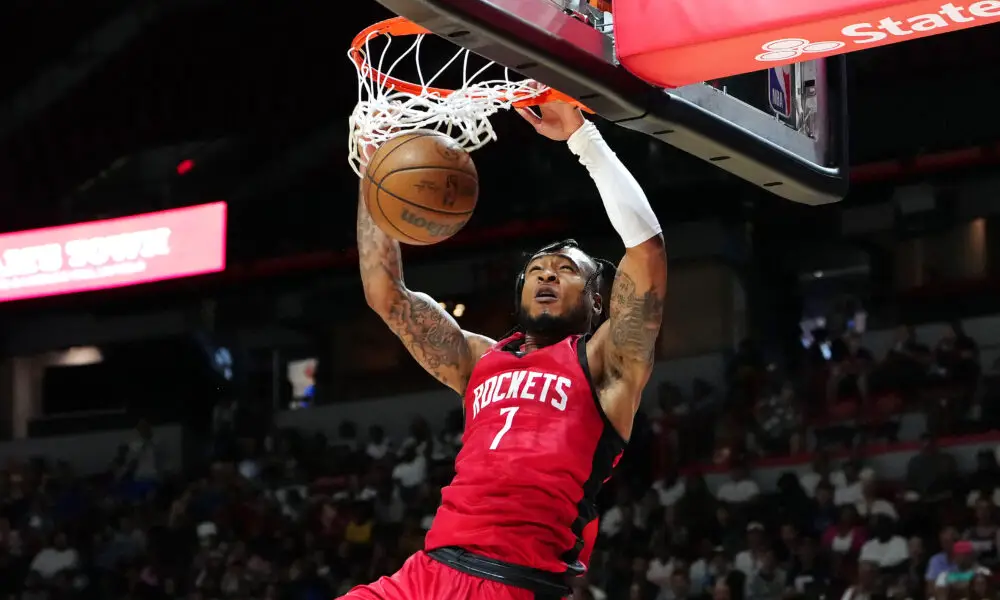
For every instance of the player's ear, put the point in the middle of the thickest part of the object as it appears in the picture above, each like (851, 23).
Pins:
(598, 304)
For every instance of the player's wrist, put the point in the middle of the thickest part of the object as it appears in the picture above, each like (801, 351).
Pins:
(580, 139)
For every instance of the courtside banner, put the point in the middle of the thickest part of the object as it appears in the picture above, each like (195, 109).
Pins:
(113, 253)
(679, 42)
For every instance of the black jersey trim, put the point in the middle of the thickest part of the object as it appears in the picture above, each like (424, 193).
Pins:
(581, 354)
(609, 446)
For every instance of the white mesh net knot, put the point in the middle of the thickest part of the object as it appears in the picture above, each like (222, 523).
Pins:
(383, 112)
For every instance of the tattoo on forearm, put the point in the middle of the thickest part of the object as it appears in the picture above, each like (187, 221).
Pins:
(433, 340)
(376, 251)
(428, 334)
(635, 320)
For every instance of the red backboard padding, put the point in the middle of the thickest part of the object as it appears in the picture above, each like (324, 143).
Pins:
(672, 43)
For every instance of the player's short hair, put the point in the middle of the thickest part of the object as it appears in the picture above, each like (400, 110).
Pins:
(599, 281)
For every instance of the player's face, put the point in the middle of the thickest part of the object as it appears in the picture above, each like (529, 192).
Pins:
(555, 299)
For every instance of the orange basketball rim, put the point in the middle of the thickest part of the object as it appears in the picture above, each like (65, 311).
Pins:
(398, 27)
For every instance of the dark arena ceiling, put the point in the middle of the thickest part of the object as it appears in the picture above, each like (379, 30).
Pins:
(100, 101)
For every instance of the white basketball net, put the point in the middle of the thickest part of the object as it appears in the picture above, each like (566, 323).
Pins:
(383, 112)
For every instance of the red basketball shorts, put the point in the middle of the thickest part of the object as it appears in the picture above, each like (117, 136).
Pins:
(423, 578)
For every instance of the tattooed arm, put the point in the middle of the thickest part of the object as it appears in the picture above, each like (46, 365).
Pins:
(427, 331)
(621, 352)
(635, 315)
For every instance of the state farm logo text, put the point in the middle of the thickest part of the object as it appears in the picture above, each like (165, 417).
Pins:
(947, 16)
(791, 48)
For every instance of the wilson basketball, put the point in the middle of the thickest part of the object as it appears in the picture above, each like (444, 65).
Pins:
(421, 187)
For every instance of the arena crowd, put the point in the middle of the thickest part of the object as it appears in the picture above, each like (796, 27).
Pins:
(282, 515)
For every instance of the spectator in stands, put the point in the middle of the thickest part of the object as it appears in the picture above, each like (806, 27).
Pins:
(411, 470)
(821, 472)
(347, 436)
(779, 421)
(730, 587)
(809, 571)
(727, 531)
(378, 445)
(121, 545)
(749, 561)
(984, 535)
(769, 581)
(866, 586)
(943, 561)
(613, 519)
(792, 503)
(661, 566)
(449, 441)
(849, 368)
(984, 482)
(847, 536)
(912, 582)
(731, 443)
(954, 376)
(824, 513)
(871, 505)
(886, 548)
(958, 354)
(670, 488)
(144, 466)
(854, 479)
(679, 589)
(931, 471)
(389, 507)
(740, 489)
(710, 563)
(904, 367)
(959, 578)
(982, 587)
(697, 503)
(57, 559)
(420, 437)
(788, 543)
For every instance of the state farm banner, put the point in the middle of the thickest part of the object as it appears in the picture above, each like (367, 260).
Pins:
(680, 42)
(113, 253)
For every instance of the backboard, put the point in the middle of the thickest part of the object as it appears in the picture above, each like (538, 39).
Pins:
(783, 130)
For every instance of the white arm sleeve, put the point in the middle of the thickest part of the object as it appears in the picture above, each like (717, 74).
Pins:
(625, 202)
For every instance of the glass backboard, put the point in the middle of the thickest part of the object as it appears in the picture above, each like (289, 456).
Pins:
(782, 129)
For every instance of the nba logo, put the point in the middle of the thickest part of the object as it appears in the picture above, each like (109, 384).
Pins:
(779, 90)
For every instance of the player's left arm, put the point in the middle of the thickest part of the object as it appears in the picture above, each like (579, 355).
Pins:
(627, 341)
(625, 344)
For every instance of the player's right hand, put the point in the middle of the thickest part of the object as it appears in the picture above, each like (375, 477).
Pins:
(558, 119)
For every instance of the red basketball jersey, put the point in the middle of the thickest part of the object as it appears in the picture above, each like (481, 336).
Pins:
(537, 447)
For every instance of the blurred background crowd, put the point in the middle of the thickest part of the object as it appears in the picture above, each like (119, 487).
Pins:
(284, 514)
(254, 432)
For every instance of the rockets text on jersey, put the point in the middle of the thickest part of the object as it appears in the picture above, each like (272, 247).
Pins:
(536, 448)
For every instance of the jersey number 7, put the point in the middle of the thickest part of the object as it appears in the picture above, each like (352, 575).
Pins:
(510, 411)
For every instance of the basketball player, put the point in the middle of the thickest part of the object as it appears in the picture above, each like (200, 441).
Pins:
(548, 410)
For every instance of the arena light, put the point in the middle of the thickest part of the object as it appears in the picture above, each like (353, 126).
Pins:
(184, 167)
(78, 356)
(459, 310)
(113, 253)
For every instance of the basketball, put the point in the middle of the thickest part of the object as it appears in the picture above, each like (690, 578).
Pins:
(421, 187)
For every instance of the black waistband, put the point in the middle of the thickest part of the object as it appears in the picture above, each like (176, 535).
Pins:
(545, 585)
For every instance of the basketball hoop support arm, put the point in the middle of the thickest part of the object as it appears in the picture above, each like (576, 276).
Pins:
(541, 41)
